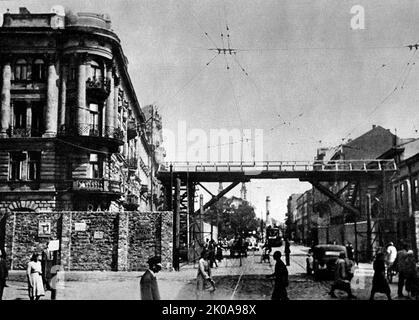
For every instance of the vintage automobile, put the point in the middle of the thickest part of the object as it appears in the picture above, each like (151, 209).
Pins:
(324, 259)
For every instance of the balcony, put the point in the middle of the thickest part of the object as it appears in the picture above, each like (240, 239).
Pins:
(24, 132)
(91, 130)
(98, 87)
(132, 130)
(96, 185)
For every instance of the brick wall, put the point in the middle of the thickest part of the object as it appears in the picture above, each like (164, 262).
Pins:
(106, 240)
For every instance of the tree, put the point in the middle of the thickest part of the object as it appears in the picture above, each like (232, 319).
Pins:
(231, 218)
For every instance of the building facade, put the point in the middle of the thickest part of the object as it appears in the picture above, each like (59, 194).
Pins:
(384, 210)
(72, 133)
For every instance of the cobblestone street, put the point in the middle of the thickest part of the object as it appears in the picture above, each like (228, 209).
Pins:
(234, 282)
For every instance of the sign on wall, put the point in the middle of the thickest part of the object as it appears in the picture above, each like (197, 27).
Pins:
(98, 235)
(80, 226)
(44, 229)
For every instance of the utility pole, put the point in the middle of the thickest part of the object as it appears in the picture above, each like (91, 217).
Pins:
(369, 231)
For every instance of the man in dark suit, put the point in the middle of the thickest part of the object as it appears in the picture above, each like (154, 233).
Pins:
(281, 278)
(3, 272)
(148, 282)
(287, 252)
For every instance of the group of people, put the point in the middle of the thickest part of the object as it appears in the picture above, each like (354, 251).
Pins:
(402, 261)
(215, 252)
(386, 260)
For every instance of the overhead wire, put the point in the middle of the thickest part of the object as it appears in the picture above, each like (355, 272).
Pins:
(401, 80)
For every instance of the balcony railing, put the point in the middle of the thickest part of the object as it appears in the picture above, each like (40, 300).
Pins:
(24, 132)
(92, 131)
(99, 87)
(101, 185)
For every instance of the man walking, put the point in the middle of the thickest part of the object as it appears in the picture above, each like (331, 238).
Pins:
(3, 272)
(281, 278)
(342, 281)
(401, 267)
(148, 282)
(287, 252)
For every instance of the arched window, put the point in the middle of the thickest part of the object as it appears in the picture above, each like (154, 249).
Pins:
(38, 70)
(23, 70)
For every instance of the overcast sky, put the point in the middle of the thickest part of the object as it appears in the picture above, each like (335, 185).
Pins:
(312, 80)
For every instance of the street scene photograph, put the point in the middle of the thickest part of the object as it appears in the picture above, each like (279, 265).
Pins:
(218, 150)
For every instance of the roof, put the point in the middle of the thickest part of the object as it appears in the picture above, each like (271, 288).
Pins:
(370, 145)
(411, 149)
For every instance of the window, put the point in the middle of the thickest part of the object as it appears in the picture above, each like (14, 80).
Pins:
(95, 165)
(73, 73)
(401, 194)
(396, 196)
(16, 165)
(38, 70)
(19, 114)
(95, 72)
(415, 189)
(37, 120)
(23, 70)
(94, 119)
(69, 173)
(34, 165)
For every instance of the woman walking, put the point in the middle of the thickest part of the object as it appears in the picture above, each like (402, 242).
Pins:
(34, 273)
(379, 281)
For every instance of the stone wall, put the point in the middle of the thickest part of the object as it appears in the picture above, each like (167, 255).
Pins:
(92, 240)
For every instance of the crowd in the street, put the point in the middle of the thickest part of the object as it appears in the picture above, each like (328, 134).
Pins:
(388, 262)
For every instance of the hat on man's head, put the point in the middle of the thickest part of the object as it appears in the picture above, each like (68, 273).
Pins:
(154, 261)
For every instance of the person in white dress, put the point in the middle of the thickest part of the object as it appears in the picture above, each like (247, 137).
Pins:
(34, 273)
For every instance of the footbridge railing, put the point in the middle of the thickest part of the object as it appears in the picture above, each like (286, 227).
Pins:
(284, 166)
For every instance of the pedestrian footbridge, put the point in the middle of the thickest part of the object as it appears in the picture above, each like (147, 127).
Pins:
(303, 170)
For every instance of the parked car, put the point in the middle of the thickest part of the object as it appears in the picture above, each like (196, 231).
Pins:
(324, 259)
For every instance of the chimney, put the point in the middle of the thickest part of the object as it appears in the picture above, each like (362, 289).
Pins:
(374, 126)
(268, 204)
(23, 10)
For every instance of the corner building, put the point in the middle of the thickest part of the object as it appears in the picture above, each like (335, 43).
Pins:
(72, 133)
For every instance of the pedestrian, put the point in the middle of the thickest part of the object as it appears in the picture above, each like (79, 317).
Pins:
(342, 281)
(211, 253)
(309, 262)
(411, 274)
(379, 281)
(219, 254)
(34, 274)
(401, 267)
(148, 283)
(391, 255)
(3, 272)
(266, 252)
(287, 252)
(203, 279)
(350, 251)
(281, 278)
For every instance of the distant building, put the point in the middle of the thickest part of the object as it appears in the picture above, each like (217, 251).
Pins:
(291, 216)
(322, 220)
